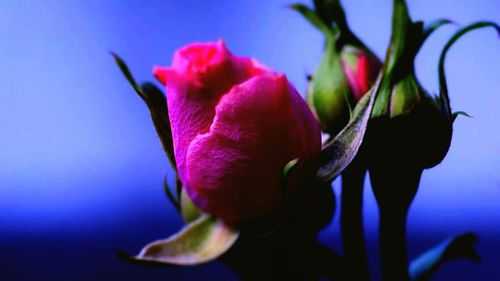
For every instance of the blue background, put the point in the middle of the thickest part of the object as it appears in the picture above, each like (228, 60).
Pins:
(81, 166)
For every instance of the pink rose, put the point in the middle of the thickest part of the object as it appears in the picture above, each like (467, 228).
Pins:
(235, 124)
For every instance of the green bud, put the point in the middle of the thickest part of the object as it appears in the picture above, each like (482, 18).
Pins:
(346, 72)
(329, 95)
(408, 126)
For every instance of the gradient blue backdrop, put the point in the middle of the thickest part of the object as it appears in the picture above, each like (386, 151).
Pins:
(81, 166)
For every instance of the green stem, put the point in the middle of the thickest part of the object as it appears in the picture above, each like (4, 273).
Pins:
(283, 255)
(351, 220)
(393, 246)
(394, 187)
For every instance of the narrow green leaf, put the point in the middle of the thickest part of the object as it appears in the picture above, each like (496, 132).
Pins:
(338, 153)
(201, 241)
(126, 72)
(314, 19)
(170, 195)
(457, 113)
(459, 247)
(445, 99)
(157, 104)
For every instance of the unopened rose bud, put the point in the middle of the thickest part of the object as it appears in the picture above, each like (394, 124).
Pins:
(408, 126)
(235, 125)
(346, 72)
(360, 68)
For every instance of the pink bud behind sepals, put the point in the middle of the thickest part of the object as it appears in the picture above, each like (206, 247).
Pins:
(360, 69)
(347, 70)
(235, 125)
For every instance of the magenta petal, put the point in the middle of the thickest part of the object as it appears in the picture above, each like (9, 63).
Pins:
(234, 170)
(235, 124)
(161, 74)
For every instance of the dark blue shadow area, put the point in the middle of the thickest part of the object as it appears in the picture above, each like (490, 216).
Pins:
(81, 166)
(89, 254)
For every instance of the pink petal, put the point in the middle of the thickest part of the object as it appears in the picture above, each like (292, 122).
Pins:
(234, 170)
(161, 74)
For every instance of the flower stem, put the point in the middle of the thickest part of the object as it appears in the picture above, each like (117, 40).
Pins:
(394, 187)
(393, 246)
(351, 221)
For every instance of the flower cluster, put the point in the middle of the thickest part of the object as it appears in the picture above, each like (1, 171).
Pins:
(253, 177)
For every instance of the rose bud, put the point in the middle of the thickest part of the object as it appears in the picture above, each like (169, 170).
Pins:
(360, 68)
(407, 125)
(346, 72)
(235, 125)
(409, 131)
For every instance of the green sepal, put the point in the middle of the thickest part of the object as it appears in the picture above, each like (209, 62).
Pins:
(201, 241)
(330, 93)
(405, 97)
(457, 113)
(406, 40)
(401, 30)
(170, 196)
(338, 153)
(189, 211)
(332, 13)
(157, 104)
(287, 170)
(459, 247)
(326, 10)
(399, 59)
(445, 99)
(313, 18)
(433, 26)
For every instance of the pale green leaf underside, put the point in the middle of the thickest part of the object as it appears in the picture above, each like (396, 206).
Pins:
(199, 242)
(338, 153)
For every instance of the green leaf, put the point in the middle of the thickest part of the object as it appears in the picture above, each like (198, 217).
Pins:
(315, 20)
(457, 113)
(445, 99)
(459, 247)
(338, 153)
(157, 104)
(201, 241)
